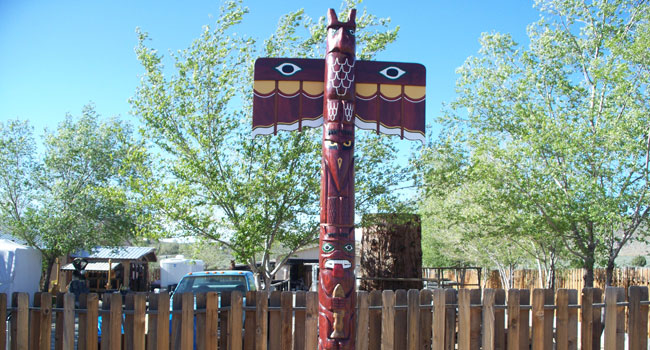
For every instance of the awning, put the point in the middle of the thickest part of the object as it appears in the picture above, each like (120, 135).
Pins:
(93, 266)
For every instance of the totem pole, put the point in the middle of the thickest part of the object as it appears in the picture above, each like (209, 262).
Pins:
(338, 93)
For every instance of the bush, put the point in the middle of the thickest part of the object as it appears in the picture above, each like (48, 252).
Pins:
(638, 261)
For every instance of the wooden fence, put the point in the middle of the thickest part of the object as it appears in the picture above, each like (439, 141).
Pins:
(529, 278)
(440, 319)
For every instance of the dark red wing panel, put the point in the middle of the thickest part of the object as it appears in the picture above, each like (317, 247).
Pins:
(288, 94)
(390, 98)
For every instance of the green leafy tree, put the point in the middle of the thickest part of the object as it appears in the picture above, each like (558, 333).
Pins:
(563, 123)
(252, 195)
(79, 194)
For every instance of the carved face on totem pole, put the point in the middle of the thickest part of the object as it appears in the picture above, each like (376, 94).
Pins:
(337, 280)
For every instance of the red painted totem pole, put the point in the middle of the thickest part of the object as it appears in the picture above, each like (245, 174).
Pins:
(339, 93)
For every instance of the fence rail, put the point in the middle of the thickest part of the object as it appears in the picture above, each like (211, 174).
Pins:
(439, 319)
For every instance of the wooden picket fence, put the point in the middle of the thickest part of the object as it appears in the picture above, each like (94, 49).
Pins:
(439, 319)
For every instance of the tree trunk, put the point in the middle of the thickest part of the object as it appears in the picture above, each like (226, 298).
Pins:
(391, 249)
(46, 277)
(589, 270)
(610, 272)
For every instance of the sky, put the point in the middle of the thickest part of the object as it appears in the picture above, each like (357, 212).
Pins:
(57, 56)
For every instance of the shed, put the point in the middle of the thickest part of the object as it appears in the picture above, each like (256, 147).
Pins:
(111, 268)
(20, 267)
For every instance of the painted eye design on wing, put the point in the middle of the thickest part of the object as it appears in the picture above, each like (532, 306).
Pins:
(392, 72)
(328, 247)
(288, 69)
(348, 248)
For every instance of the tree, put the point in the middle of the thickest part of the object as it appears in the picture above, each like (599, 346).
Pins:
(219, 184)
(79, 194)
(563, 123)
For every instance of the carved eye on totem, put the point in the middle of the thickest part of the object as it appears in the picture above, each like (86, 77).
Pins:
(328, 247)
(392, 72)
(348, 248)
(331, 144)
(347, 144)
(288, 69)
(332, 31)
(351, 32)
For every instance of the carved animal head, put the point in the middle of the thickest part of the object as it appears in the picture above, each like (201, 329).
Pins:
(340, 35)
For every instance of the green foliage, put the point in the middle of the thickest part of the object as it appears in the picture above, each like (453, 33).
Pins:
(217, 183)
(558, 131)
(638, 261)
(79, 195)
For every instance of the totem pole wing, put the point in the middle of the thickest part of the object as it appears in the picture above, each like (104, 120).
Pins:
(390, 98)
(288, 94)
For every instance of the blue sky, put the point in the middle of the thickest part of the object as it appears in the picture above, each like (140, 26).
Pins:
(57, 56)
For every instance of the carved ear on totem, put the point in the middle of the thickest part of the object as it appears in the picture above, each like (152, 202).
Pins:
(331, 17)
(353, 16)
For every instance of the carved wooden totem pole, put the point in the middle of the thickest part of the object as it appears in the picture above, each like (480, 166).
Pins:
(338, 93)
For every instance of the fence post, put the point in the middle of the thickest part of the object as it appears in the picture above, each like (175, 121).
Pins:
(638, 318)
(413, 317)
(45, 321)
(388, 320)
(92, 305)
(488, 319)
(68, 321)
(286, 315)
(236, 320)
(311, 322)
(362, 321)
(614, 319)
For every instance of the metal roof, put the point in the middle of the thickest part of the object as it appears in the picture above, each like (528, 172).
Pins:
(93, 266)
(122, 253)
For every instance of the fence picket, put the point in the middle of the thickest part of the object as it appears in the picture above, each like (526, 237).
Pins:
(286, 316)
(162, 322)
(45, 321)
(439, 317)
(614, 318)
(489, 322)
(128, 321)
(567, 321)
(140, 301)
(311, 321)
(115, 327)
(106, 304)
(374, 321)
(514, 322)
(212, 321)
(363, 318)
(638, 318)
(401, 299)
(451, 298)
(236, 321)
(249, 337)
(187, 320)
(3, 316)
(275, 326)
(499, 320)
(68, 321)
(201, 300)
(92, 306)
(413, 319)
(261, 320)
(34, 323)
(426, 316)
(388, 320)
